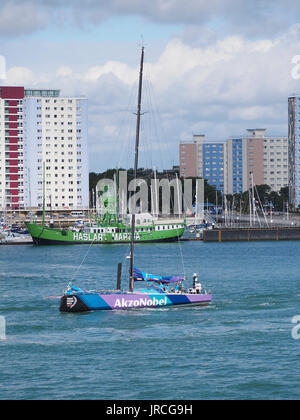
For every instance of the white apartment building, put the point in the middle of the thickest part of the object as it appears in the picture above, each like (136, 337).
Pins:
(230, 166)
(276, 169)
(41, 128)
(264, 157)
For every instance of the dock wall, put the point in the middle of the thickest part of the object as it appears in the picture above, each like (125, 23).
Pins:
(252, 234)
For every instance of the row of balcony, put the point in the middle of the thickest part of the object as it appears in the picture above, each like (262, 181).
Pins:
(20, 173)
(7, 119)
(19, 149)
(8, 102)
(7, 126)
(11, 109)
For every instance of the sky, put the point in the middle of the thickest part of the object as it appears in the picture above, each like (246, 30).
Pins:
(215, 68)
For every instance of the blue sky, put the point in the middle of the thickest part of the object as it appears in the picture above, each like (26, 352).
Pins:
(215, 67)
(114, 29)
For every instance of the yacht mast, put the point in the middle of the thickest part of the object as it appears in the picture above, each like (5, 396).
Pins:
(44, 192)
(136, 162)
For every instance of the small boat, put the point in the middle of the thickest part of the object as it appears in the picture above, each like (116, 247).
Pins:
(12, 238)
(160, 291)
(18, 230)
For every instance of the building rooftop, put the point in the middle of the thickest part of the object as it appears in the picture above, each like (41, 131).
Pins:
(46, 93)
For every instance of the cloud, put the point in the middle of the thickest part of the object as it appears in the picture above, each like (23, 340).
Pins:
(19, 18)
(64, 71)
(121, 70)
(218, 89)
(252, 113)
(19, 76)
(227, 16)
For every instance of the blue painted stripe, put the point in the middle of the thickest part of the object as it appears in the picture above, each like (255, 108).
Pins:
(178, 299)
(94, 302)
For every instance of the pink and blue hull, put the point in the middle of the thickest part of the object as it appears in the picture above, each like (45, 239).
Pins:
(88, 301)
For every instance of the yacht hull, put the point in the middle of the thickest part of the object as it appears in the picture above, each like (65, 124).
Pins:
(42, 235)
(84, 302)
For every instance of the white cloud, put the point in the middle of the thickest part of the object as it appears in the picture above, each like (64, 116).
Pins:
(19, 76)
(252, 113)
(121, 70)
(217, 89)
(64, 71)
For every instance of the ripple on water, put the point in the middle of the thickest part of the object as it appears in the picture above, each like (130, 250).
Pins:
(238, 347)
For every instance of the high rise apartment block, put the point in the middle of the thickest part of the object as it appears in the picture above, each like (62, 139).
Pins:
(266, 157)
(294, 150)
(203, 160)
(229, 166)
(40, 128)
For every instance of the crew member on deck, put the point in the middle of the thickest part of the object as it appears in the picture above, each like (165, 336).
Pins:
(197, 286)
(195, 280)
(181, 286)
(161, 286)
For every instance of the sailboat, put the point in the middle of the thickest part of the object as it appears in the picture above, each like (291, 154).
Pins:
(160, 291)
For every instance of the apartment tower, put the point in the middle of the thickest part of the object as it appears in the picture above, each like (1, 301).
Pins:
(40, 128)
(294, 150)
(203, 159)
(231, 166)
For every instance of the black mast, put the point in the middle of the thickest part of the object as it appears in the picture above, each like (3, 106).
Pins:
(136, 162)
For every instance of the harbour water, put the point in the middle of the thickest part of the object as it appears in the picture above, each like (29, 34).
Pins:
(239, 347)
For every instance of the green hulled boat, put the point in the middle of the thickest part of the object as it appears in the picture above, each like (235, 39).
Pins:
(111, 228)
(105, 232)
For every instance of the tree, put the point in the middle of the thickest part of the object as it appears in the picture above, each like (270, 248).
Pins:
(264, 195)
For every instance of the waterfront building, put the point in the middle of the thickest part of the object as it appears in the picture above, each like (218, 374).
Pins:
(229, 166)
(188, 160)
(294, 150)
(266, 157)
(276, 162)
(203, 159)
(236, 166)
(42, 128)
